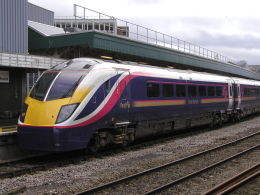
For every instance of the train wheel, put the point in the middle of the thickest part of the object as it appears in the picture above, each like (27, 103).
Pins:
(220, 123)
(94, 148)
(94, 145)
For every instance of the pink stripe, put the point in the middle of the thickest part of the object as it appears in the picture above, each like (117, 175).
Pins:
(216, 98)
(183, 83)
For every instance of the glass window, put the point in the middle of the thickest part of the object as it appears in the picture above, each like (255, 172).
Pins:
(254, 91)
(202, 91)
(65, 85)
(90, 26)
(245, 92)
(40, 89)
(153, 90)
(211, 91)
(192, 91)
(107, 86)
(167, 90)
(250, 91)
(180, 91)
(219, 91)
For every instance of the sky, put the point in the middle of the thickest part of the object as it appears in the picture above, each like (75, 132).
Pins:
(229, 27)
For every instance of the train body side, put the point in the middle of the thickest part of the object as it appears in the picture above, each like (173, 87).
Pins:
(137, 102)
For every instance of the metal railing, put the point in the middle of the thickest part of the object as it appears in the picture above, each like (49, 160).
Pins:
(28, 61)
(137, 32)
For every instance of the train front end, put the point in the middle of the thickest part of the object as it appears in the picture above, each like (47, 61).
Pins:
(52, 101)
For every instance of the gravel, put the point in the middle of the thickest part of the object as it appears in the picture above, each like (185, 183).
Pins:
(95, 171)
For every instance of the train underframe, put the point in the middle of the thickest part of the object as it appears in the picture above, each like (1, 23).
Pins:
(127, 132)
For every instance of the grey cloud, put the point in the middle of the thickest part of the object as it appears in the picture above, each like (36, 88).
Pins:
(143, 1)
(239, 41)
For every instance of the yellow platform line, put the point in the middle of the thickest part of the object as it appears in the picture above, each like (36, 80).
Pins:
(8, 128)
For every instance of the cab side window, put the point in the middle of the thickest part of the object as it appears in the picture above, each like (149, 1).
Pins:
(107, 86)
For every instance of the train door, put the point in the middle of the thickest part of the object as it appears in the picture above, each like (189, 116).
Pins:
(230, 94)
(124, 92)
(237, 95)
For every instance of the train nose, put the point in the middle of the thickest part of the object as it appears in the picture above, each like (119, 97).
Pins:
(40, 113)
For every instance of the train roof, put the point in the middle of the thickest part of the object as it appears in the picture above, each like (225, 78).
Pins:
(133, 67)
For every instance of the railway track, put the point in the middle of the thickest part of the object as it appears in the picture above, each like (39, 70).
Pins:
(35, 163)
(235, 182)
(133, 181)
(18, 167)
(41, 162)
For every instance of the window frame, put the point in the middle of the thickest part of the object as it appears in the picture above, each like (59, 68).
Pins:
(208, 90)
(189, 90)
(147, 89)
(163, 90)
(202, 86)
(177, 93)
(221, 91)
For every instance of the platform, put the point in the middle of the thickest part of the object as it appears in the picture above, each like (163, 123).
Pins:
(9, 128)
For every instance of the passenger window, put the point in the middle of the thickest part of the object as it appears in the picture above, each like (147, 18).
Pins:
(167, 90)
(246, 92)
(250, 91)
(153, 90)
(192, 91)
(180, 91)
(211, 91)
(219, 91)
(202, 91)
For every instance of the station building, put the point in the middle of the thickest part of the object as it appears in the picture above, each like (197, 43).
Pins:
(18, 69)
(87, 24)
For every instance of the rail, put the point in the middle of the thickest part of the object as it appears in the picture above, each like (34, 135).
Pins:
(27, 61)
(235, 182)
(172, 163)
(137, 32)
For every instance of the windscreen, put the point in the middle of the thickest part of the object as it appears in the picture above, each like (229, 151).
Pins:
(65, 85)
(41, 88)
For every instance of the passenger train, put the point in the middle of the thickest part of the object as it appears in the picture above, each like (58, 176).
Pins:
(91, 103)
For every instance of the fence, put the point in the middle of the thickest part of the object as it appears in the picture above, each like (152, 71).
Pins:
(144, 34)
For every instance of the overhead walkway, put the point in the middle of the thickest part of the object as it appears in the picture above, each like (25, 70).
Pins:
(134, 43)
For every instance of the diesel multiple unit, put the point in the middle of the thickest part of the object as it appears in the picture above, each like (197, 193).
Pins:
(92, 103)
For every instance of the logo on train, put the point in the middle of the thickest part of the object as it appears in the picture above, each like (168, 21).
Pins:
(125, 105)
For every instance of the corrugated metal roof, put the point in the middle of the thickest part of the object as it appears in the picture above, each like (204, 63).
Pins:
(45, 29)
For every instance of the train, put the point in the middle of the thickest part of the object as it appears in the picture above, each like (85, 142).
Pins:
(88, 103)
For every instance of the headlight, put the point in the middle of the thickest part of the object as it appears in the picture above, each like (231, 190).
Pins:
(65, 112)
(23, 112)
